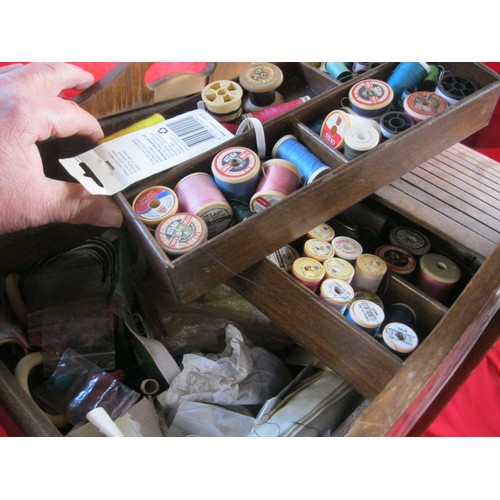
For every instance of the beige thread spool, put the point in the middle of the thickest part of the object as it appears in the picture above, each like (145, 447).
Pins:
(284, 257)
(322, 231)
(261, 81)
(369, 271)
(338, 268)
(223, 100)
(336, 292)
(317, 249)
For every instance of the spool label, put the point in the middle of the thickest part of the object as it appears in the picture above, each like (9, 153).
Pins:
(397, 259)
(347, 247)
(284, 257)
(322, 232)
(217, 219)
(155, 204)
(339, 268)
(367, 313)
(235, 163)
(334, 128)
(180, 232)
(337, 289)
(400, 337)
(263, 201)
(371, 94)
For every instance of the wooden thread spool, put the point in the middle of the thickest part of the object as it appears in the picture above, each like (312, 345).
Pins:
(367, 295)
(422, 105)
(318, 249)
(309, 272)
(223, 100)
(279, 179)
(371, 97)
(398, 259)
(154, 204)
(412, 240)
(236, 171)
(180, 233)
(338, 268)
(369, 271)
(261, 81)
(198, 194)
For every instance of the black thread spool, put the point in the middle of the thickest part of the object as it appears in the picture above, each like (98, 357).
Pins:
(453, 88)
(395, 122)
(261, 81)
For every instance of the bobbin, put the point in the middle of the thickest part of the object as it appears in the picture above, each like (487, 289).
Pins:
(407, 75)
(366, 315)
(398, 259)
(361, 294)
(154, 204)
(223, 100)
(347, 248)
(393, 123)
(453, 88)
(421, 105)
(438, 275)
(273, 188)
(336, 292)
(261, 81)
(399, 338)
(339, 71)
(309, 272)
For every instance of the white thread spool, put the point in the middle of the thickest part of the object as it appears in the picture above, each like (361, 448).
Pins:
(347, 248)
(369, 271)
(336, 292)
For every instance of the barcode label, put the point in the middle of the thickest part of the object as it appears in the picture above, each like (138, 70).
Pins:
(191, 131)
(368, 312)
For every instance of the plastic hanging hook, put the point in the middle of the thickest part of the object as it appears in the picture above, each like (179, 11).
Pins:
(259, 134)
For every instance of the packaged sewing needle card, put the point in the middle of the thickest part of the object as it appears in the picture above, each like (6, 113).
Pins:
(116, 164)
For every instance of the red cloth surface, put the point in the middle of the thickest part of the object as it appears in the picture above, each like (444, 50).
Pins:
(475, 408)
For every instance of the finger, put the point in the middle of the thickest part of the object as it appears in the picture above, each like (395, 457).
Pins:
(55, 117)
(68, 202)
(10, 67)
(51, 78)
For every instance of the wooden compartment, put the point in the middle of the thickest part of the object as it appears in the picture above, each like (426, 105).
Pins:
(229, 253)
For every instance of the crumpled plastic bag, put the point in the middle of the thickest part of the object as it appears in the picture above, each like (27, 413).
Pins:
(241, 375)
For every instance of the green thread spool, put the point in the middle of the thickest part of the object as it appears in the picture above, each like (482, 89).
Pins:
(431, 80)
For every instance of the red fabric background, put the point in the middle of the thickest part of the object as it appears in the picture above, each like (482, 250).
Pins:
(475, 409)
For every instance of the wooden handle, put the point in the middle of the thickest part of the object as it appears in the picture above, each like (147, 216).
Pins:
(124, 88)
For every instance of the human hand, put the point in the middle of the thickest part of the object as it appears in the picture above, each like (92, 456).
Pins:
(32, 111)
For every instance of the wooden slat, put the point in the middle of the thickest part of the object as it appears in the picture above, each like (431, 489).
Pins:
(428, 217)
(460, 153)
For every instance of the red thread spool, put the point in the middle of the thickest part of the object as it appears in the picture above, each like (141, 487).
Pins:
(198, 194)
(279, 179)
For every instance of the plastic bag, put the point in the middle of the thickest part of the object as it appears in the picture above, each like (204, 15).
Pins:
(241, 375)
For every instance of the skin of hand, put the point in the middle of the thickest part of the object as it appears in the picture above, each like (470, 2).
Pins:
(32, 111)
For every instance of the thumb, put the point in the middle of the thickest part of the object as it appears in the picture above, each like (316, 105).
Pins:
(72, 203)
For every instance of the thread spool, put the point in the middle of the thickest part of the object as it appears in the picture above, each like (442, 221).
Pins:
(180, 233)
(410, 239)
(429, 83)
(371, 97)
(318, 249)
(453, 88)
(407, 75)
(366, 315)
(347, 248)
(393, 123)
(323, 232)
(309, 165)
(367, 295)
(398, 259)
(359, 139)
(261, 81)
(223, 100)
(400, 313)
(400, 339)
(334, 127)
(368, 272)
(236, 172)
(309, 272)
(422, 105)
(338, 268)
(241, 211)
(149, 387)
(438, 275)
(198, 194)
(339, 71)
(284, 257)
(360, 67)
(271, 112)
(154, 204)
(279, 179)
(336, 292)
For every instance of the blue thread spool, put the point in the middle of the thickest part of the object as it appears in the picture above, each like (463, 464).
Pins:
(407, 75)
(365, 314)
(309, 165)
(338, 70)
(236, 172)
(400, 313)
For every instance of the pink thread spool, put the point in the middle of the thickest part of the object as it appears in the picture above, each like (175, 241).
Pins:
(437, 275)
(199, 195)
(279, 179)
(267, 114)
(309, 272)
